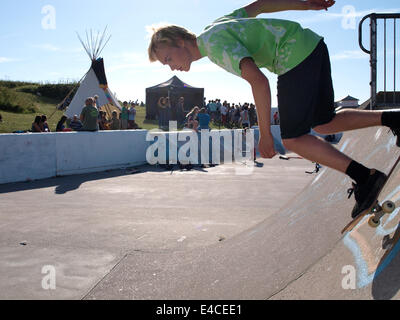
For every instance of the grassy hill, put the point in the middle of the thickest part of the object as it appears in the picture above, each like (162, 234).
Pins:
(21, 102)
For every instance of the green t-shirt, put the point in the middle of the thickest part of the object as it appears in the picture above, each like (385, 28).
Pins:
(278, 45)
(89, 122)
(124, 113)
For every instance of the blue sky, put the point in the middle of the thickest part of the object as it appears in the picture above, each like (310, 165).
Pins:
(37, 45)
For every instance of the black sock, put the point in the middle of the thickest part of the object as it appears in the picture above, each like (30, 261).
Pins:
(358, 172)
(391, 119)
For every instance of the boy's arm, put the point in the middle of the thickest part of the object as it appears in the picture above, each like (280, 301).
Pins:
(262, 98)
(266, 6)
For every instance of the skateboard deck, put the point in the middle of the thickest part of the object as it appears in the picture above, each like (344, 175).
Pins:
(377, 210)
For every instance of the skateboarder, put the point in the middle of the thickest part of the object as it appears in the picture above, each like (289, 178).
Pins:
(242, 44)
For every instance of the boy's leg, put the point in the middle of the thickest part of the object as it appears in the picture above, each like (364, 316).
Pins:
(368, 182)
(346, 120)
(308, 102)
(318, 150)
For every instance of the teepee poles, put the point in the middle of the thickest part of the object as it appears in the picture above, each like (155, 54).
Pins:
(94, 44)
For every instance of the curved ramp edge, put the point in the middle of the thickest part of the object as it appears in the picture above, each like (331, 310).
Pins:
(266, 260)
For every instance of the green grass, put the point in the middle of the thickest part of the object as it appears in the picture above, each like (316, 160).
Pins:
(141, 119)
(19, 105)
(13, 101)
(16, 121)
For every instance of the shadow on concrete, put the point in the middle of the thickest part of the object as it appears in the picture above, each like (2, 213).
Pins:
(386, 283)
(65, 184)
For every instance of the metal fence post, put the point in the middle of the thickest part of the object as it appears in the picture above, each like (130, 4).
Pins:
(373, 61)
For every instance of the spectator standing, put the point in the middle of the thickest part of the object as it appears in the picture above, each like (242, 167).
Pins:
(253, 115)
(103, 121)
(89, 116)
(191, 119)
(236, 116)
(124, 116)
(132, 116)
(100, 120)
(244, 118)
(96, 102)
(208, 106)
(169, 108)
(204, 119)
(180, 111)
(218, 109)
(115, 123)
(162, 113)
(213, 110)
(224, 112)
(231, 115)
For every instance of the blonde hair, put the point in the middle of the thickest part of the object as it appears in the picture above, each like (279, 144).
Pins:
(167, 36)
(193, 111)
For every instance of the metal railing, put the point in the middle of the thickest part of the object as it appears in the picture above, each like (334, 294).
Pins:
(385, 98)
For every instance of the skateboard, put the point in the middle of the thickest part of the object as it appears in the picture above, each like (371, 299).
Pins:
(377, 210)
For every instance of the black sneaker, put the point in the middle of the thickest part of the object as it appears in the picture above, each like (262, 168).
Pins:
(366, 193)
(396, 132)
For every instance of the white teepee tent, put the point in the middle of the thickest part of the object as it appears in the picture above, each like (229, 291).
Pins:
(95, 81)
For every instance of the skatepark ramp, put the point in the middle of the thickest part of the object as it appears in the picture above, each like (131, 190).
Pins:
(297, 253)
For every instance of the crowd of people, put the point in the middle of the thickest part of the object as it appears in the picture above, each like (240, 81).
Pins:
(40, 124)
(228, 115)
(92, 119)
(168, 113)
(221, 114)
(232, 115)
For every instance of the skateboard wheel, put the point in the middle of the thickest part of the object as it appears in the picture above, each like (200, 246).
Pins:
(373, 223)
(388, 206)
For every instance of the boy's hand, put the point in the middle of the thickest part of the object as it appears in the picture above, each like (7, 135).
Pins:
(318, 4)
(266, 6)
(266, 146)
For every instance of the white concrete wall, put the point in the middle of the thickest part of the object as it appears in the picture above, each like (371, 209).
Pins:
(83, 152)
(32, 156)
(25, 157)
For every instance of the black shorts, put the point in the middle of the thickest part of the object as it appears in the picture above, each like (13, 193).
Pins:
(305, 95)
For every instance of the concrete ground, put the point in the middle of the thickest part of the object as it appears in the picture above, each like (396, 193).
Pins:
(82, 227)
